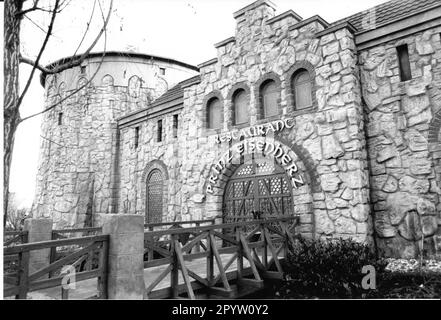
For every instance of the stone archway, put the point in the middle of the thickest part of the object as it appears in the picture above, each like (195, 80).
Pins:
(303, 186)
(154, 191)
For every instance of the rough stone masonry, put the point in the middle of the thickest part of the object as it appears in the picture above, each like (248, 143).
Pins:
(367, 149)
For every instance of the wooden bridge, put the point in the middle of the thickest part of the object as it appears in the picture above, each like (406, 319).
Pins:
(189, 260)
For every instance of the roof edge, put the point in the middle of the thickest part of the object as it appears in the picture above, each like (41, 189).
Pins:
(315, 18)
(333, 28)
(118, 54)
(289, 13)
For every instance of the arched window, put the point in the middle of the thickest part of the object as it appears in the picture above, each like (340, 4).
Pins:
(269, 97)
(240, 107)
(302, 89)
(155, 189)
(214, 114)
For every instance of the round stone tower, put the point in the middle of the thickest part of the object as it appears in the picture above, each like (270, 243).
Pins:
(80, 137)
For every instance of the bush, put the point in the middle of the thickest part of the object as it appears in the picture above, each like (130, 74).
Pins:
(328, 269)
(408, 285)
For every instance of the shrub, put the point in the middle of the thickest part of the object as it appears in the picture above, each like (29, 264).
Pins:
(408, 285)
(328, 269)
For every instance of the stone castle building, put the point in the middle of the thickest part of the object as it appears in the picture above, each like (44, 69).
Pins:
(338, 123)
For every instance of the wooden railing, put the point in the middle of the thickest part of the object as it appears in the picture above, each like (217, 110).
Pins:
(164, 241)
(88, 255)
(262, 243)
(78, 232)
(177, 224)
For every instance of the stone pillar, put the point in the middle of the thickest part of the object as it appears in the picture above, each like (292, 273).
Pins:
(39, 229)
(125, 279)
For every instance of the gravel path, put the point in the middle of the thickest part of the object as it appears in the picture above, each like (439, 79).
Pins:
(405, 265)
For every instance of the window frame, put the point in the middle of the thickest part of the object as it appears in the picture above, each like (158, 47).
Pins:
(212, 95)
(260, 106)
(137, 133)
(208, 106)
(232, 96)
(60, 118)
(159, 131)
(175, 125)
(404, 67)
(240, 92)
(295, 88)
(291, 98)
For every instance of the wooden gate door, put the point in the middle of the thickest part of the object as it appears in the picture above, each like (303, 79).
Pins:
(258, 189)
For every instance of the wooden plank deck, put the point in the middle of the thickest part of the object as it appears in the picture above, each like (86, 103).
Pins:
(88, 288)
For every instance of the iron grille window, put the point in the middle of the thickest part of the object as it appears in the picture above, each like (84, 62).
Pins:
(403, 60)
(155, 188)
(214, 118)
(240, 105)
(302, 89)
(269, 97)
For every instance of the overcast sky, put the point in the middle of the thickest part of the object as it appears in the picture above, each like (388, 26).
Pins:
(185, 30)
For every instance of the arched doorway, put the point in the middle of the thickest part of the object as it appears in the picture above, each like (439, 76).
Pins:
(155, 189)
(257, 189)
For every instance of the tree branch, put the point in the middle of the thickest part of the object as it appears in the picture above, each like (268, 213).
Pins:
(75, 61)
(35, 24)
(78, 89)
(35, 7)
(32, 63)
(87, 29)
(37, 61)
(23, 12)
(78, 60)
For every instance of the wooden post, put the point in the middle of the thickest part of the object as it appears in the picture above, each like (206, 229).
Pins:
(184, 271)
(219, 262)
(174, 276)
(239, 255)
(102, 279)
(23, 274)
(198, 245)
(249, 256)
(273, 251)
(265, 248)
(210, 260)
(150, 251)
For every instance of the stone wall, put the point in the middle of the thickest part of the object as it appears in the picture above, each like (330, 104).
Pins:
(368, 149)
(327, 141)
(404, 159)
(74, 181)
(137, 163)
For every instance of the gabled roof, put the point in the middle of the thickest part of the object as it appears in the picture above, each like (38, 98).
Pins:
(175, 92)
(390, 11)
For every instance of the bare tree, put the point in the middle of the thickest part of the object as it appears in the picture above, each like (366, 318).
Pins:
(16, 216)
(14, 12)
